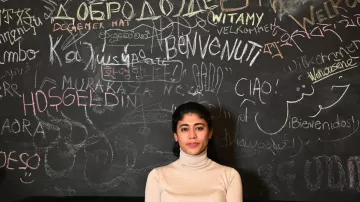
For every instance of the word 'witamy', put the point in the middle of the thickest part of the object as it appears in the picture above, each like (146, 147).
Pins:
(240, 19)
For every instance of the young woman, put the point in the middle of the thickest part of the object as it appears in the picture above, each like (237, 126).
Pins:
(193, 177)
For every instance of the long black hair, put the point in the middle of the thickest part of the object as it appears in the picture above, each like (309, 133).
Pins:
(202, 112)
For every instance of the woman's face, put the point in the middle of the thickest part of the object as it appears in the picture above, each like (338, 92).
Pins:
(193, 134)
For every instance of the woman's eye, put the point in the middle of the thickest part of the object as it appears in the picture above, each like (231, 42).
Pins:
(200, 128)
(184, 129)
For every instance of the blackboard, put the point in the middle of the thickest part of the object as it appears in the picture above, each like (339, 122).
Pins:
(87, 89)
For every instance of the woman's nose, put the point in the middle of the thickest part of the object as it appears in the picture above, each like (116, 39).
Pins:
(192, 134)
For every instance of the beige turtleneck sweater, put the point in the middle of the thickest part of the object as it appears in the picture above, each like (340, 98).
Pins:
(193, 178)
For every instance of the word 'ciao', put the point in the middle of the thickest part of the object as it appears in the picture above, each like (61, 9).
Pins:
(41, 101)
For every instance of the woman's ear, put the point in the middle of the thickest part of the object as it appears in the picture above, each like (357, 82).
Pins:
(176, 137)
(210, 133)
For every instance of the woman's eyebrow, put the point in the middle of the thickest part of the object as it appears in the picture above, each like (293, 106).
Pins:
(184, 124)
(196, 124)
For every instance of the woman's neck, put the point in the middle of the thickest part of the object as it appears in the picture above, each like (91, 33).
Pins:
(193, 161)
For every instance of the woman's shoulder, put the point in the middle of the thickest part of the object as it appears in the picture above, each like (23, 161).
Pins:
(229, 175)
(160, 169)
(226, 170)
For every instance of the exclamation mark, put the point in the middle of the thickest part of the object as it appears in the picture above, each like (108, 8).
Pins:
(277, 82)
(35, 78)
(122, 99)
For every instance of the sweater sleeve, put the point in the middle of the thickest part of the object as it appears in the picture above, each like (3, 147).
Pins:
(152, 188)
(234, 192)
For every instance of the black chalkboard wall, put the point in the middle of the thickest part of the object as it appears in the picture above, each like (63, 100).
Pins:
(87, 89)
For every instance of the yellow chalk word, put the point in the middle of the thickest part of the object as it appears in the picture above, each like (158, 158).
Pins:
(238, 18)
(338, 67)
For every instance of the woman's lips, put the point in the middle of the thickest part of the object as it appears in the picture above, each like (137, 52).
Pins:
(193, 144)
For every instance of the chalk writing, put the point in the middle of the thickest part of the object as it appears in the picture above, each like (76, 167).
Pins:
(7, 89)
(88, 88)
(78, 27)
(20, 55)
(20, 16)
(41, 101)
(336, 68)
(184, 45)
(331, 11)
(287, 39)
(307, 62)
(167, 71)
(14, 161)
(15, 126)
(297, 123)
(253, 19)
(241, 29)
(335, 179)
(99, 11)
(254, 88)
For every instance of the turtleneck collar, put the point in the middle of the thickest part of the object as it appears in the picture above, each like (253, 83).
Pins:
(193, 161)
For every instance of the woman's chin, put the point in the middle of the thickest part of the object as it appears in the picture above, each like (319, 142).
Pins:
(193, 151)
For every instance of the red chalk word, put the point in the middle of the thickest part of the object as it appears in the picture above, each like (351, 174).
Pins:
(41, 101)
(22, 161)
